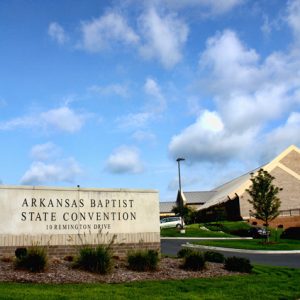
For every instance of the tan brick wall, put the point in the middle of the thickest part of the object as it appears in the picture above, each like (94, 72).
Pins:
(289, 196)
(119, 250)
(292, 161)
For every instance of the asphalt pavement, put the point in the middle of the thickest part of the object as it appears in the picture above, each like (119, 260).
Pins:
(171, 247)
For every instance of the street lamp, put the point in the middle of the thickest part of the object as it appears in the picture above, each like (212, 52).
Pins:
(179, 159)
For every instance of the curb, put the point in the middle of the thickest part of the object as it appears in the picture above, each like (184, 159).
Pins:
(188, 245)
(206, 238)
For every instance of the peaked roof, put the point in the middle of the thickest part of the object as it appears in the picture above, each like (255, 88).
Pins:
(238, 185)
(166, 206)
(198, 197)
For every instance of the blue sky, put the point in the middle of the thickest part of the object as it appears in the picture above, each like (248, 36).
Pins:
(110, 93)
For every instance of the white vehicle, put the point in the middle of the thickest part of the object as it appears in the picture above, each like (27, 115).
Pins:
(171, 222)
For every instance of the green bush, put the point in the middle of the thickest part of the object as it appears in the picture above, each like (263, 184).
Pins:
(35, 259)
(97, 260)
(184, 252)
(238, 264)
(20, 252)
(142, 261)
(194, 261)
(213, 256)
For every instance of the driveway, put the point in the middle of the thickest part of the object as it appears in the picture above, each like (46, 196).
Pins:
(171, 247)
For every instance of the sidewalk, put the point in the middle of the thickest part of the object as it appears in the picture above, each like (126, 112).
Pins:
(205, 238)
(202, 247)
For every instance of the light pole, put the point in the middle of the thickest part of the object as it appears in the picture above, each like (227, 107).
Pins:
(179, 159)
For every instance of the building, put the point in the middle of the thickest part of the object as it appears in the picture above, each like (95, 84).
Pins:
(231, 198)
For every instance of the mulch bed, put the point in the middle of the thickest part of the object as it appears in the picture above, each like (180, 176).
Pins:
(60, 271)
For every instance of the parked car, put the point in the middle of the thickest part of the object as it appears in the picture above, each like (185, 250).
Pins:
(171, 222)
(258, 232)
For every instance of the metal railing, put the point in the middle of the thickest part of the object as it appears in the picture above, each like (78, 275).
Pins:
(289, 212)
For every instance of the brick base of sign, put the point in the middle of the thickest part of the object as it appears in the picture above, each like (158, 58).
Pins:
(118, 250)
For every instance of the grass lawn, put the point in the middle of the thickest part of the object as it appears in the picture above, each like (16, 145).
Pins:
(253, 244)
(265, 283)
(192, 231)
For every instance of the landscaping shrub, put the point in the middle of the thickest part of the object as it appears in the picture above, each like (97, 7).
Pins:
(142, 261)
(194, 261)
(240, 232)
(97, 260)
(35, 259)
(20, 252)
(291, 233)
(238, 264)
(213, 256)
(69, 258)
(184, 252)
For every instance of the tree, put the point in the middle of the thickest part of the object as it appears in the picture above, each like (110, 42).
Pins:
(264, 200)
(188, 213)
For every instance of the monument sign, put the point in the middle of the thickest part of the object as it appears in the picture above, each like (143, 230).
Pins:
(65, 218)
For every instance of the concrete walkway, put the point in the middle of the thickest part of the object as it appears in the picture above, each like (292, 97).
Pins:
(202, 247)
(206, 238)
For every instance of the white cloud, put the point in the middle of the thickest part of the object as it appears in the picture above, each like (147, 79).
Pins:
(164, 37)
(112, 89)
(49, 166)
(208, 140)
(151, 111)
(62, 119)
(250, 96)
(248, 93)
(99, 33)
(282, 136)
(62, 171)
(230, 63)
(43, 152)
(124, 160)
(142, 136)
(57, 33)
(293, 17)
(152, 88)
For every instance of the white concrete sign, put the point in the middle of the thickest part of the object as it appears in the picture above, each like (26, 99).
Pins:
(33, 211)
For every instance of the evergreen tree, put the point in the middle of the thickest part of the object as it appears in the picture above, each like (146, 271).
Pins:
(264, 197)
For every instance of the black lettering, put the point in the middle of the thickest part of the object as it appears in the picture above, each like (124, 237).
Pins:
(81, 203)
(42, 204)
(132, 215)
(33, 202)
(23, 218)
(53, 217)
(25, 203)
(66, 216)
